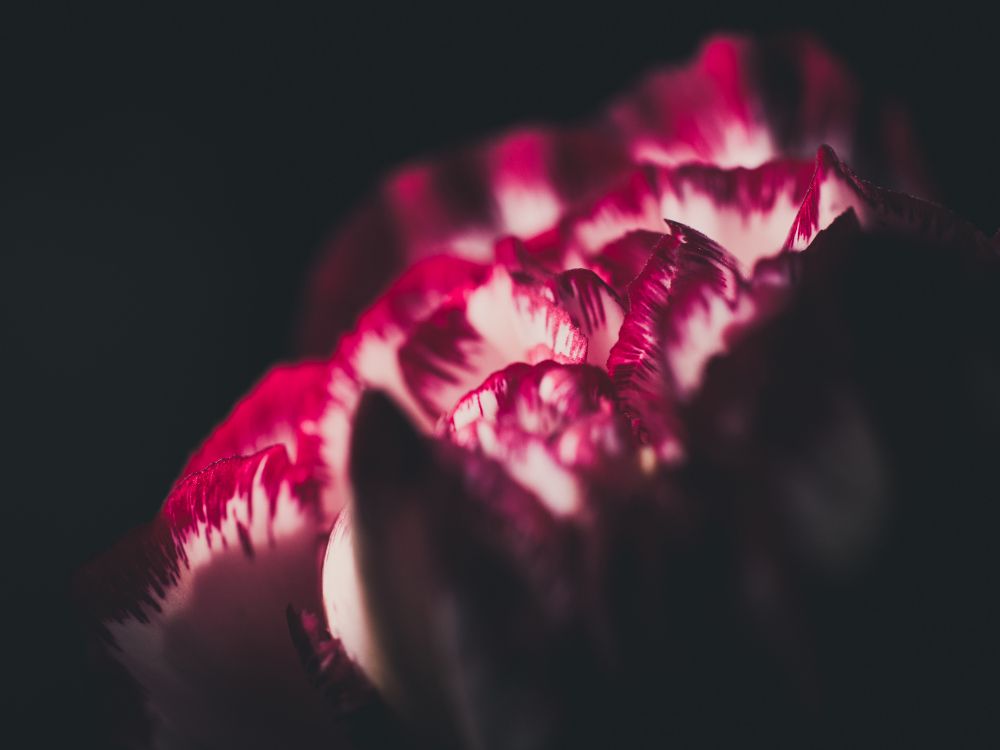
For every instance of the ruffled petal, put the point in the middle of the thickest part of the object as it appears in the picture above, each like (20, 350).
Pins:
(594, 308)
(740, 104)
(471, 336)
(458, 204)
(194, 607)
(746, 211)
(685, 272)
(284, 408)
(550, 425)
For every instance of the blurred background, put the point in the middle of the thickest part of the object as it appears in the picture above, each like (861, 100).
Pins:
(166, 178)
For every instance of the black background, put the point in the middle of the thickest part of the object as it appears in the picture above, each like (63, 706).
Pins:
(166, 177)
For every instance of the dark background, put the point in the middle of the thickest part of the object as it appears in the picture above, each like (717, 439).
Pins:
(166, 177)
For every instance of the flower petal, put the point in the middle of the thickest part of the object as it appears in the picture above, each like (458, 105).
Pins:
(549, 425)
(461, 570)
(835, 189)
(733, 107)
(747, 211)
(194, 607)
(846, 445)
(282, 409)
(593, 307)
(458, 204)
(683, 266)
(469, 337)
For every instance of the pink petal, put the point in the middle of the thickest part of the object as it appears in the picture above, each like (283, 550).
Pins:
(747, 211)
(674, 283)
(283, 408)
(729, 108)
(594, 308)
(546, 424)
(471, 336)
(459, 204)
(622, 260)
(194, 607)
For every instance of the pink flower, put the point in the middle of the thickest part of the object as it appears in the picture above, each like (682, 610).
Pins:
(558, 484)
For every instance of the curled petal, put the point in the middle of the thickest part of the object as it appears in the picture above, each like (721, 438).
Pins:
(593, 307)
(194, 607)
(621, 261)
(550, 425)
(683, 266)
(467, 338)
(541, 400)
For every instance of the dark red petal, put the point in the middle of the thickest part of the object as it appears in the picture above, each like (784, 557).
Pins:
(461, 569)
(194, 607)
(672, 283)
(830, 441)
(467, 338)
(732, 105)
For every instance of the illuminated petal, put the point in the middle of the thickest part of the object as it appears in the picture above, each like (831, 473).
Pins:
(282, 409)
(469, 337)
(746, 211)
(194, 607)
(673, 283)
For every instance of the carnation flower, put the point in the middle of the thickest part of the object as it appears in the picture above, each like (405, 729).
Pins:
(598, 418)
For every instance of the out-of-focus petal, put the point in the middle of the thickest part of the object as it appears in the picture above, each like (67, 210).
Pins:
(194, 607)
(740, 104)
(462, 573)
(746, 211)
(458, 204)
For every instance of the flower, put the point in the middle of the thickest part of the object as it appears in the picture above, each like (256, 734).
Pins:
(636, 394)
